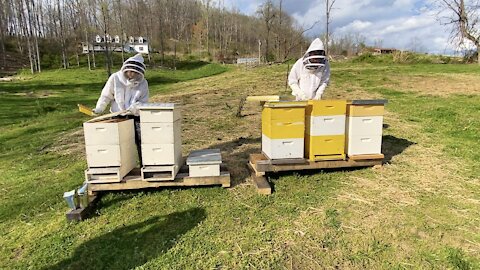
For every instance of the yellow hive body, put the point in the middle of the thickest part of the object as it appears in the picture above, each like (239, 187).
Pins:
(364, 129)
(365, 110)
(325, 132)
(283, 129)
(326, 107)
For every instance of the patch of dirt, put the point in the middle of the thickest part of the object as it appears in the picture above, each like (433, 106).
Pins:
(38, 94)
(72, 143)
(443, 86)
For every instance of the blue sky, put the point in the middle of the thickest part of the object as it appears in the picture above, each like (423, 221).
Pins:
(401, 24)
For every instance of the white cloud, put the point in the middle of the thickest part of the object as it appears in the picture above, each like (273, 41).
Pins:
(395, 22)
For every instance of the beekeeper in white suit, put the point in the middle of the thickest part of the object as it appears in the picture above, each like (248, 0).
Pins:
(310, 75)
(124, 91)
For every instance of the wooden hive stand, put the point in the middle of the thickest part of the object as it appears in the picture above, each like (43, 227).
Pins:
(134, 181)
(260, 166)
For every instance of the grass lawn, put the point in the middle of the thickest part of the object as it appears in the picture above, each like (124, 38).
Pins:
(421, 210)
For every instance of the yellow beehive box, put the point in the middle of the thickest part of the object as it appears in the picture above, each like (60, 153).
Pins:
(365, 110)
(326, 107)
(283, 129)
(325, 147)
(283, 120)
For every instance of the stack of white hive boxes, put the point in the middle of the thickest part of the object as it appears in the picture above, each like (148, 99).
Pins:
(161, 130)
(364, 127)
(110, 148)
(202, 163)
(283, 130)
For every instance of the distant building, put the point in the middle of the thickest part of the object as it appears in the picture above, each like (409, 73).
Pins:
(132, 45)
(379, 51)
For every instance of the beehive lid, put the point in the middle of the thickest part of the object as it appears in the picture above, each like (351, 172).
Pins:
(203, 157)
(157, 106)
(369, 102)
(283, 104)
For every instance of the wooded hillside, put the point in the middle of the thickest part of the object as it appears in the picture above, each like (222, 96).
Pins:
(206, 29)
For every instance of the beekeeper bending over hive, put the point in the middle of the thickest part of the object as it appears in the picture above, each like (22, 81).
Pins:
(310, 75)
(124, 91)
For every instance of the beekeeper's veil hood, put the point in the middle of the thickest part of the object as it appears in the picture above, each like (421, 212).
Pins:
(315, 57)
(134, 64)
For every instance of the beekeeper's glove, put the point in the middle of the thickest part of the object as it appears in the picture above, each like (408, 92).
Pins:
(297, 92)
(319, 93)
(98, 110)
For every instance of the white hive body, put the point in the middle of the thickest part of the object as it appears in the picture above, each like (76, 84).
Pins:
(282, 148)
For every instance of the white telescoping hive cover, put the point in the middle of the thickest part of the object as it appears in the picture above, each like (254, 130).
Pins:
(204, 157)
(157, 106)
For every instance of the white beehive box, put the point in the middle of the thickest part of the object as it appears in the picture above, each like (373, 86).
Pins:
(325, 125)
(109, 132)
(111, 143)
(164, 133)
(159, 113)
(283, 148)
(364, 145)
(365, 125)
(161, 154)
(203, 163)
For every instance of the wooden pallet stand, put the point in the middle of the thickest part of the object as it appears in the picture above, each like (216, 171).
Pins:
(134, 181)
(260, 165)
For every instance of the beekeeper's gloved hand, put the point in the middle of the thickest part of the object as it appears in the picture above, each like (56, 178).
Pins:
(297, 92)
(319, 93)
(97, 110)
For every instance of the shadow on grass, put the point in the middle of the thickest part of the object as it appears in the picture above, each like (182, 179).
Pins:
(393, 146)
(134, 245)
(236, 161)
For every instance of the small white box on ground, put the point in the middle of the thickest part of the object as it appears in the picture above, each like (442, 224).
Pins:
(159, 113)
(283, 148)
(204, 163)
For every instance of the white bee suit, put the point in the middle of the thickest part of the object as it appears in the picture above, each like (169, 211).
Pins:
(309, 84)
(124, 94)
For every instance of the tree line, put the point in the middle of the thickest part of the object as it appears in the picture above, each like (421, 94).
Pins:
(43, 27)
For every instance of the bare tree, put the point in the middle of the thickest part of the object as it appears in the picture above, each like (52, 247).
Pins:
(268, 14)
(104, 7)
(464, 18)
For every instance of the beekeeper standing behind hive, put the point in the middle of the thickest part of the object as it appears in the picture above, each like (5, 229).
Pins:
(124, 91)
(310, 75)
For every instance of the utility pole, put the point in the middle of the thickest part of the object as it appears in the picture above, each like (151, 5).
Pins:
(259, 51)
(328, 8)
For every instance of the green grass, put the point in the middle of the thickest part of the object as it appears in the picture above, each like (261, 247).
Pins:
(391, 219)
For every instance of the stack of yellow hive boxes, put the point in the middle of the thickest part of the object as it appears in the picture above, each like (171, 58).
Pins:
(283, 130)
(322, 129)
(325, 130)
(364, 127)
